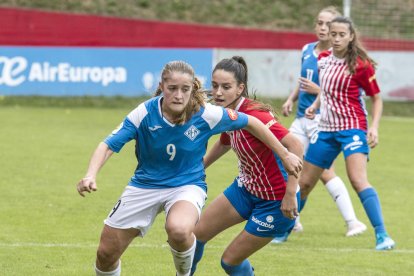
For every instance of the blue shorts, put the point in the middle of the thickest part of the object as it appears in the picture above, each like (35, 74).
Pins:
(264, 217)
(325, 146)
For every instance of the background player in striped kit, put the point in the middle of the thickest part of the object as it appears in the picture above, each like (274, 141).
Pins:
(262, 194)
(306, 92)
(171, 133)
(344, 72)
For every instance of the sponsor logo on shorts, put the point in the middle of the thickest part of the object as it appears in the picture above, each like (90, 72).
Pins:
(232, 114)
(269, 219)
(262, 223)
(357, 143)
(261, 230)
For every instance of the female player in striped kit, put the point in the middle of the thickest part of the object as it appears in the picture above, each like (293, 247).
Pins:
(171, 133)
(306, 92)
(262, 194)
(344, 72)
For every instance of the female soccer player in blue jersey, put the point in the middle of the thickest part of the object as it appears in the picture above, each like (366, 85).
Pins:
(305, 93)
(171, 133)
(346, 75)
(262, 195)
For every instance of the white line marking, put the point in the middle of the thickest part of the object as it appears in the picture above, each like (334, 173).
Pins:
(147, 245)
(397, 118)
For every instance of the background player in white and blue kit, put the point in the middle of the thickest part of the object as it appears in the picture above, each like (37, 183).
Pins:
(171, 132)
(305, 93)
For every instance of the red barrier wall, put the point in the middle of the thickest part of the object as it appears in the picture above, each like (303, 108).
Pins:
(42, 28)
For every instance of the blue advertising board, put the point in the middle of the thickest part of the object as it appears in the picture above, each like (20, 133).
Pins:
(79, 71)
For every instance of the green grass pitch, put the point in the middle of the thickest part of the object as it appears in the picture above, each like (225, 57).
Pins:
(46, 228)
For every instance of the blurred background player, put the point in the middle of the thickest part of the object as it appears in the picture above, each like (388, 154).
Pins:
(171, 132)
(344, 72)
(305, 93)
(263, 194)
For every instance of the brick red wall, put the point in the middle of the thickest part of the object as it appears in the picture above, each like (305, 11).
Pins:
(42, 28)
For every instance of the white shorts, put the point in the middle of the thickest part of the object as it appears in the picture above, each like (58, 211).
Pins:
(304, 128)
(138, 207)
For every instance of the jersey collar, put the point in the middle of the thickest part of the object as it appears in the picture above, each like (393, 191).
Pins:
(242, 99)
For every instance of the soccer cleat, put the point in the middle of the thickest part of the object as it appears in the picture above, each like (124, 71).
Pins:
(355, 228)
(280, 239)
(298, 227)
(384, 242)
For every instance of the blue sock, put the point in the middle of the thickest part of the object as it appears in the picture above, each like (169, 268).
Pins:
(372, 206)
(198, 254)
(243, 269)
(302, 204)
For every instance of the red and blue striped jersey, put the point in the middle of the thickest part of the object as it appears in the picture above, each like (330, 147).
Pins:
(342, 103)
(260, 169)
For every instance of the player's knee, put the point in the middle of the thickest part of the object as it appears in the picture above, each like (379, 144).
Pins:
(305, 188)
(178, 233)
(230, 258)
(105, 259)
(326, 176)
(226, 259)
(202, 236)
(359, 184)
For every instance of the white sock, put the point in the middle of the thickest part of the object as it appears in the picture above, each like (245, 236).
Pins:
(116, 272)
(340, 195)
(184, 260)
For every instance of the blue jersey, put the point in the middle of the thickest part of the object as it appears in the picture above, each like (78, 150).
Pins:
(309, 70)
(171, 155)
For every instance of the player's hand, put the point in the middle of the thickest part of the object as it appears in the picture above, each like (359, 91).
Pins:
(310, 112)
(287, 107)
(293, 164)
(86, 184)
(289, 206)
(372, 137)
(308, 86)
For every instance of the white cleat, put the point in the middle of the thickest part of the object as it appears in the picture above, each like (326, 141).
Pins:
(280, 239)
(298, 227)
(355, 228)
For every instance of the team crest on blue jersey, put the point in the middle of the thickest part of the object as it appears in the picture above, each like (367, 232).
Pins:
(192, 132)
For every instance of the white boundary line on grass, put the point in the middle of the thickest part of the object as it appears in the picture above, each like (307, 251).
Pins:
(397, 118)
(146, 245)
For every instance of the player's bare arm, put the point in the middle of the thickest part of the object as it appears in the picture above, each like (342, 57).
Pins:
(376, 113)
(289, 205)
(215, 153)
(98, 159)
(287, 107)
